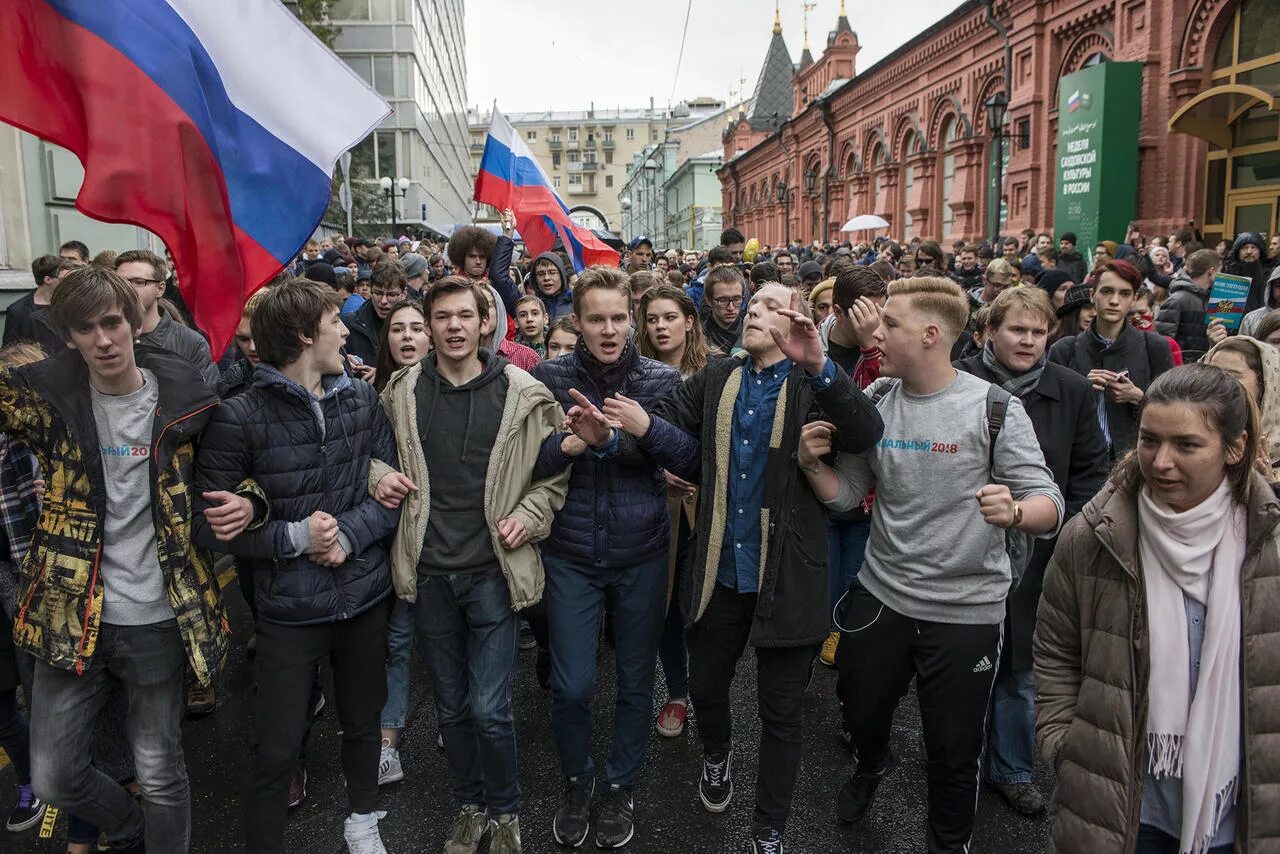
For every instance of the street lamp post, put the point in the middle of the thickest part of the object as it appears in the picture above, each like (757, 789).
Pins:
(389, 187)
(785, 198)
(811, 179)
(997, 106)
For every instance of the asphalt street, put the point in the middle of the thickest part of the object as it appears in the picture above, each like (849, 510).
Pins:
(669, 816)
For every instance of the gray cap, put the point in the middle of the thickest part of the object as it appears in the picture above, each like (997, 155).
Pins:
(413, 265)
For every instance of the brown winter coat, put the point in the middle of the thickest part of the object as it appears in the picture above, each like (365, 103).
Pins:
(1092, 666)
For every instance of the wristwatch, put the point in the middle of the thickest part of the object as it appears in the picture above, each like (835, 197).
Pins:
(1017, 515)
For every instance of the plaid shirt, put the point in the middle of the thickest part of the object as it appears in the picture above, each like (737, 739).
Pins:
(19, 506)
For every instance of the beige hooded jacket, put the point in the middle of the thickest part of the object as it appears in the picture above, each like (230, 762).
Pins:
(528, 417)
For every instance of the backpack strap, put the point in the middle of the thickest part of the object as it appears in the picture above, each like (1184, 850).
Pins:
(885, 388)
(997, 407)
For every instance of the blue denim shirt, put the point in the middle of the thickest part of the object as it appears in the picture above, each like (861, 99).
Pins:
(753, 415)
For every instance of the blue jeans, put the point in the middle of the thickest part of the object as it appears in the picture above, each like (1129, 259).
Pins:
(847, 545)
(469, 634)
(399, 653)
(148, 663)
(1012, 737)
(1152, 840)
(576, 598)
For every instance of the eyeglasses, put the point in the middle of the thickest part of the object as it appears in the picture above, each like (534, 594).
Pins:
(725, 302)
(387, 294)
(142, 283)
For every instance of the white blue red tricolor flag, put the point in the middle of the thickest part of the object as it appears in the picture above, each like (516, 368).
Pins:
(198, 120)
(510, 177)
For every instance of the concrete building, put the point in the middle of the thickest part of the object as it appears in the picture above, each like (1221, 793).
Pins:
(909, 138)
(587, 154)
(39, 183)
(693, 203)
(413, 53)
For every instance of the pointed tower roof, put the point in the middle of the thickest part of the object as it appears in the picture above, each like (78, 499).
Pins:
(771, 103)
(842, 23)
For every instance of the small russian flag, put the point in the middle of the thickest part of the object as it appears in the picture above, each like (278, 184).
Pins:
(510, 177)
(1074, 102)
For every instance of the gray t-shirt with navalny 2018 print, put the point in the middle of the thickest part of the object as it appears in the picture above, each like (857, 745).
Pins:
(134, 592)
(931, 556)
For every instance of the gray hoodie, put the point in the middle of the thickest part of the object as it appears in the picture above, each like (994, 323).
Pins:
(1269, 304)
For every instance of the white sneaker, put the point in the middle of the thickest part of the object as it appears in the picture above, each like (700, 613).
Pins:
(361, 832)
(389, 768)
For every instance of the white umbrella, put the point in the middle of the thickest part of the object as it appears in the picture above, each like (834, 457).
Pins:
(865, 222)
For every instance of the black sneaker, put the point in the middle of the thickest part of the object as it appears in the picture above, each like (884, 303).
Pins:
(858, 792)
(28, 812)
(542, 666)
(573, 819)
(527, 640)
(615, 819)
(766, 840)
(715, 786)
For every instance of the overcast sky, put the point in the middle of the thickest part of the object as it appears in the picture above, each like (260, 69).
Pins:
(564, 54)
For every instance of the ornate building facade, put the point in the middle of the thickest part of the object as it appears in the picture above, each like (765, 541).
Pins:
(910, 138)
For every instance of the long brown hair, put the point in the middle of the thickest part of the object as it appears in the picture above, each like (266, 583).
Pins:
(1228, 409)
(386, 364)
(694, 357)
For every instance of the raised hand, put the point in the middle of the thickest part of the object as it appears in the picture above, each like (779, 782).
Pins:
(586, 421)
(865, 317)
(997, 505)
(627, 414)
(802, 343)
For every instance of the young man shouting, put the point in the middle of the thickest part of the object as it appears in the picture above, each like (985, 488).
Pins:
(300, 441)
(115, 593)
(760, 571)
(469, 426)
(608, 545)
(930, 607)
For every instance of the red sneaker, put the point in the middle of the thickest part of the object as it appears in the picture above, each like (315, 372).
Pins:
(671, 718)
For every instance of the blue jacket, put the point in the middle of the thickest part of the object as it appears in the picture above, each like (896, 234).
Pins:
(616, 511)
(270, 436)
(364, 330)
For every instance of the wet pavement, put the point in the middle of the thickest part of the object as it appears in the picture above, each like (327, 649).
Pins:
(669, 816)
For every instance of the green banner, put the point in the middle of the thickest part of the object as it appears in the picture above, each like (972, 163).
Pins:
(1097, 170)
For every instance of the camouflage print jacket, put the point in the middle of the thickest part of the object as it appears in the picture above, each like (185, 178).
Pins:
(47, 404)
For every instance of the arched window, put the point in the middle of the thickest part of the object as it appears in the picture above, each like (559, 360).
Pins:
(879, 156)
(947, 169)
(910, 146)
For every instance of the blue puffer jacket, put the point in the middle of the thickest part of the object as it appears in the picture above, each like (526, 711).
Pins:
(268, 442)
(616, 511)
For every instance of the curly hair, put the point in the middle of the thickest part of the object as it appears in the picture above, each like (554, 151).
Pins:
(466, 239)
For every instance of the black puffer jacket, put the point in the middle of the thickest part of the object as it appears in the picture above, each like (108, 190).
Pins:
(616, 511)
(365, 338)
(269, 437)
(1182, 317)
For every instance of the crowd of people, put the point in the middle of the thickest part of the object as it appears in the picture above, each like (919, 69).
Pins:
(1035, 482)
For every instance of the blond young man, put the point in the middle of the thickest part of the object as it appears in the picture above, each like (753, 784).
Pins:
(918, 609)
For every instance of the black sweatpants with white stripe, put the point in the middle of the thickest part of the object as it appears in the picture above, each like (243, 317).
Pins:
(954, 666)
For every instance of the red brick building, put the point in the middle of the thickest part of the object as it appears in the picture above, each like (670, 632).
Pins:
(908, 138)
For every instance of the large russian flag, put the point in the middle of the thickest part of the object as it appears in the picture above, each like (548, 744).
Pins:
(510, 177)
(200, 121)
